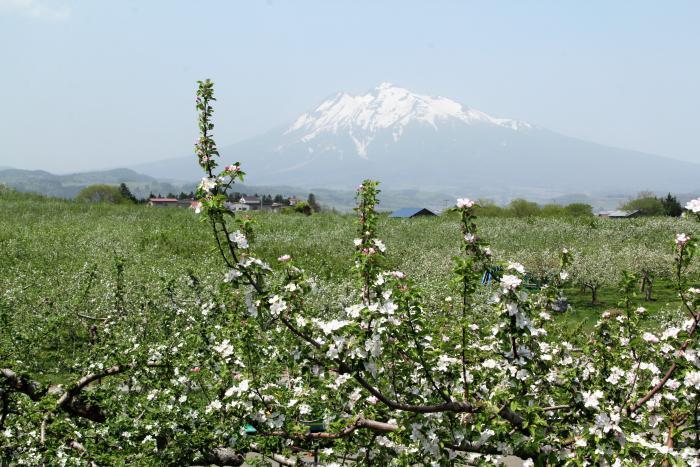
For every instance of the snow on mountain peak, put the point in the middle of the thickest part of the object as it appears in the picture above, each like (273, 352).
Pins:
(386, 107)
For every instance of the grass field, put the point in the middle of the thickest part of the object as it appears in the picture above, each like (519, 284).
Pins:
(48, 245)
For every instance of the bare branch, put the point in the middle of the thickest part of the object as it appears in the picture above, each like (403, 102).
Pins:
(360, 423)
(94, 318)
(223, 456)
(70, 394)
(452, 406)
(17, 383)
(659, 386)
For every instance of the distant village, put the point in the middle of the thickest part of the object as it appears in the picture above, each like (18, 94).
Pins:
(237, 202)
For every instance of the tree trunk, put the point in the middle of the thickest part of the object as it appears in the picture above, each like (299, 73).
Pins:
(594, 294)
(648, 291)
(646, 286)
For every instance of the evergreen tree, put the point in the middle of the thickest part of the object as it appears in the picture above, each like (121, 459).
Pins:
(672, 207)
(313, 204)
(126, 193)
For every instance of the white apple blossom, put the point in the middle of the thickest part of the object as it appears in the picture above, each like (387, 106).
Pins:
(651, 367)
(208, 184)
(238, 389)
(670, 333)
(591, 399)
(444, 362)
(615, 375)
(516, 267)
(693, 205)
(379, 244)
(510, 282)
(300, 321)
(224, 348)
(239, 239)
(214, 405)
(329, 327)
(277, 305)
(490, 363)
(465, 203)
(232, 274)
(692, 380)
(651, 338)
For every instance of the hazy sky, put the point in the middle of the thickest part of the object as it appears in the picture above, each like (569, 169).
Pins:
(87, 84)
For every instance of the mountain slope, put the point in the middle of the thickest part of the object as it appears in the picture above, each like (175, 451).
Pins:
(67, 186)
(410, 141)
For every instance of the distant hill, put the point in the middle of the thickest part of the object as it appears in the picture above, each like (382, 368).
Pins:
(67, 186)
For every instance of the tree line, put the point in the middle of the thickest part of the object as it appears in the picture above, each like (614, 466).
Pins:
(645, 202)
(102, 193)
(649, 205)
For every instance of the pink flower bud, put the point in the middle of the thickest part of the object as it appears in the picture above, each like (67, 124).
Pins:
(682, 239)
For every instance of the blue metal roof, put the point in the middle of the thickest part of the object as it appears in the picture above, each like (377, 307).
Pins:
(618, 213)
(409, 212)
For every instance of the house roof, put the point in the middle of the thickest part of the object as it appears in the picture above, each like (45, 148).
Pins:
(250, 199)
(618, 213)
(411, 212)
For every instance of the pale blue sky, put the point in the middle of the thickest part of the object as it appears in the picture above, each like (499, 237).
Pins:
(94, 84)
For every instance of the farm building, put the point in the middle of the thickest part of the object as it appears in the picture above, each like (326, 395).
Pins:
(254, 203)
(236, 206)
(252, 206)
(170, 202)
(407, 213)
(619, 214)
(163, 202)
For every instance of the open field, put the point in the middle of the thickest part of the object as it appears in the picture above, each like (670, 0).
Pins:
(50, 246)
(86, 285)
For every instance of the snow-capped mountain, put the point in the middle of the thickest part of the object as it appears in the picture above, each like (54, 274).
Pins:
(386, 108)
(408, 141)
